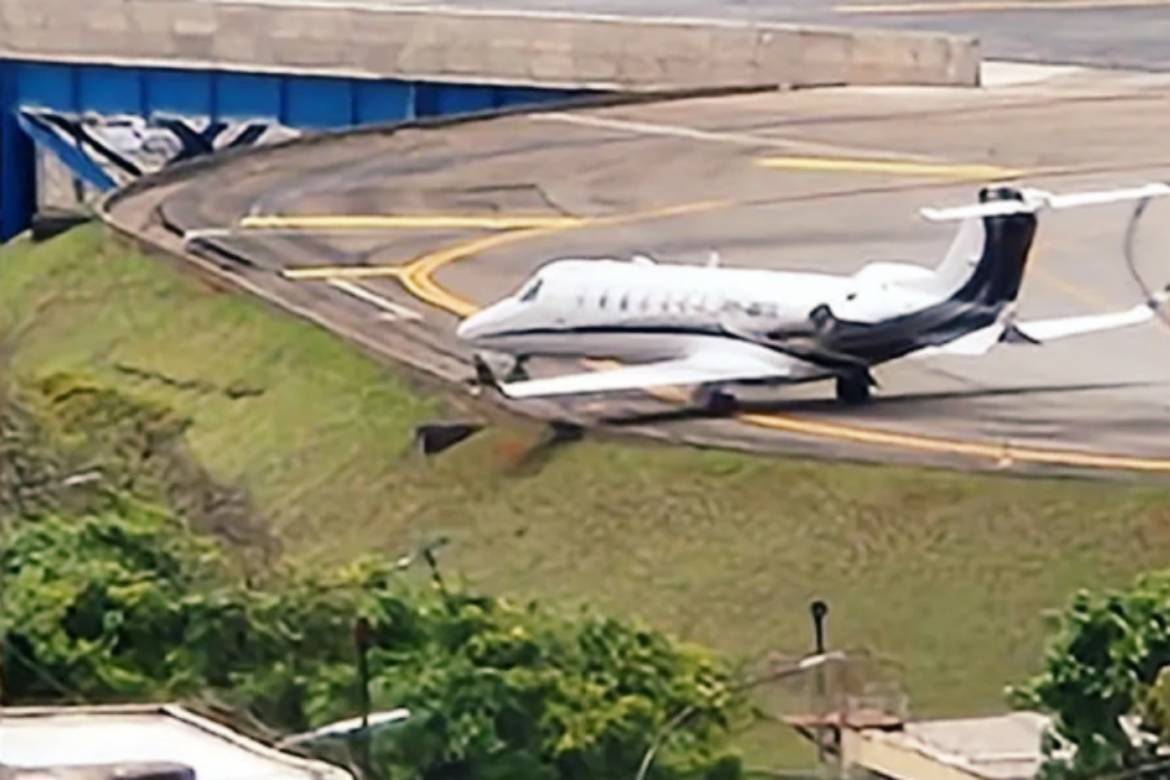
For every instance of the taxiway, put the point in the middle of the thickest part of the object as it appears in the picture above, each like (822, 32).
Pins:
(388, 237)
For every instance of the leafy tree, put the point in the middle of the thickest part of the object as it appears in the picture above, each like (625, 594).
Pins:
(128, 604)
(1107, 661)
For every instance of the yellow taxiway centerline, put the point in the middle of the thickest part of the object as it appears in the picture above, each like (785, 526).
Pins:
(890, 167)
(417, 276)
(999, 452)
(341, 272)
(984, 6)
(401, 222)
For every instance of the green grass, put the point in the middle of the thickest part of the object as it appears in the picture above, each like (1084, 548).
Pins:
(946, 573)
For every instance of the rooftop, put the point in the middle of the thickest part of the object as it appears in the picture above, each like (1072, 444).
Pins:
(1002, 747)
(42, 737)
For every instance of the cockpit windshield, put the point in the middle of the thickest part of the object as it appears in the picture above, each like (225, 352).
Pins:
(529, 292)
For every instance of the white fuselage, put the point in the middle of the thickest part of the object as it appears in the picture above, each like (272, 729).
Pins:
(709, 326)
(642, 311)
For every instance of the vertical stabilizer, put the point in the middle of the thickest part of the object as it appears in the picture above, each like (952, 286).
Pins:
(985, 263)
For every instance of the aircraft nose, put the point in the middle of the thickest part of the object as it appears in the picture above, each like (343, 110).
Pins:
(470, 327)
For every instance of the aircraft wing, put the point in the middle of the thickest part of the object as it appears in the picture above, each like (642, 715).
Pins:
(981, 341)
(735, 361)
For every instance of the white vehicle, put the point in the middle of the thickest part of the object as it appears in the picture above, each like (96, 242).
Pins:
(713, 327)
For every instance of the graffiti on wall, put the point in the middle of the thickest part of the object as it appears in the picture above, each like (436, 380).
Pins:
(81, 156)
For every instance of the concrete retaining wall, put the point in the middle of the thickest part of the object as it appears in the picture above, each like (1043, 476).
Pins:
(515, 48)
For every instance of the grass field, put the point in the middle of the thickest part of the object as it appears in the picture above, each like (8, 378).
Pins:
(946, 573)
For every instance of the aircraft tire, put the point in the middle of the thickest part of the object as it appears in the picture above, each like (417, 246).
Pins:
(853, 389)
(719, 403)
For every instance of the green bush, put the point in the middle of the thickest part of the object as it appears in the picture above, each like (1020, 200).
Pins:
(1106, 661)
(128, 605)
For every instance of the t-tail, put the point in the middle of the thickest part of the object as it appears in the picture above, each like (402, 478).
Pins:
(985, 264)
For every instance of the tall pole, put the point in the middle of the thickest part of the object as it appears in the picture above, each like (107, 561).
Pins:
(819, 610)
(361, 637)
(428, 553)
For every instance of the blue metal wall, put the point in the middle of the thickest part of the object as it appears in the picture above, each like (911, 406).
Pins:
(306, 102)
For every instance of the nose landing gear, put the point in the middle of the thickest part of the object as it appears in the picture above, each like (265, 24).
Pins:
(518, 372)
(486, 376)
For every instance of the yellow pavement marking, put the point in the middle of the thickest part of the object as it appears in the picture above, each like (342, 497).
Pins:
(341, 272)
(417, 276)
(891, 167)
(401, 222)
(980, 6)
(1000, 452)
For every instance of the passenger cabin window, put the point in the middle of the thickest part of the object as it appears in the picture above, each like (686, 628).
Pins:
(530, 294)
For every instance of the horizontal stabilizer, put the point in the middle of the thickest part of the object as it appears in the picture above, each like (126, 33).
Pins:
(981, 341)
(1035, 200)
(1062, 327)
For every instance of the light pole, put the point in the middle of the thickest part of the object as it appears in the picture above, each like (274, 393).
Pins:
(819, 611)
(361, 641)
(427, 553)
(804, 665)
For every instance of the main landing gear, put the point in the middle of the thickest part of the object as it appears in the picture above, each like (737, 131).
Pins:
(853, 388)
(715, 401)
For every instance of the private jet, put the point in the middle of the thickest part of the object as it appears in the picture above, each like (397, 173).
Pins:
(714, 328)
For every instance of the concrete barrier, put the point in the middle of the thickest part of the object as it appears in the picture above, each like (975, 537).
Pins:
(556, 50)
